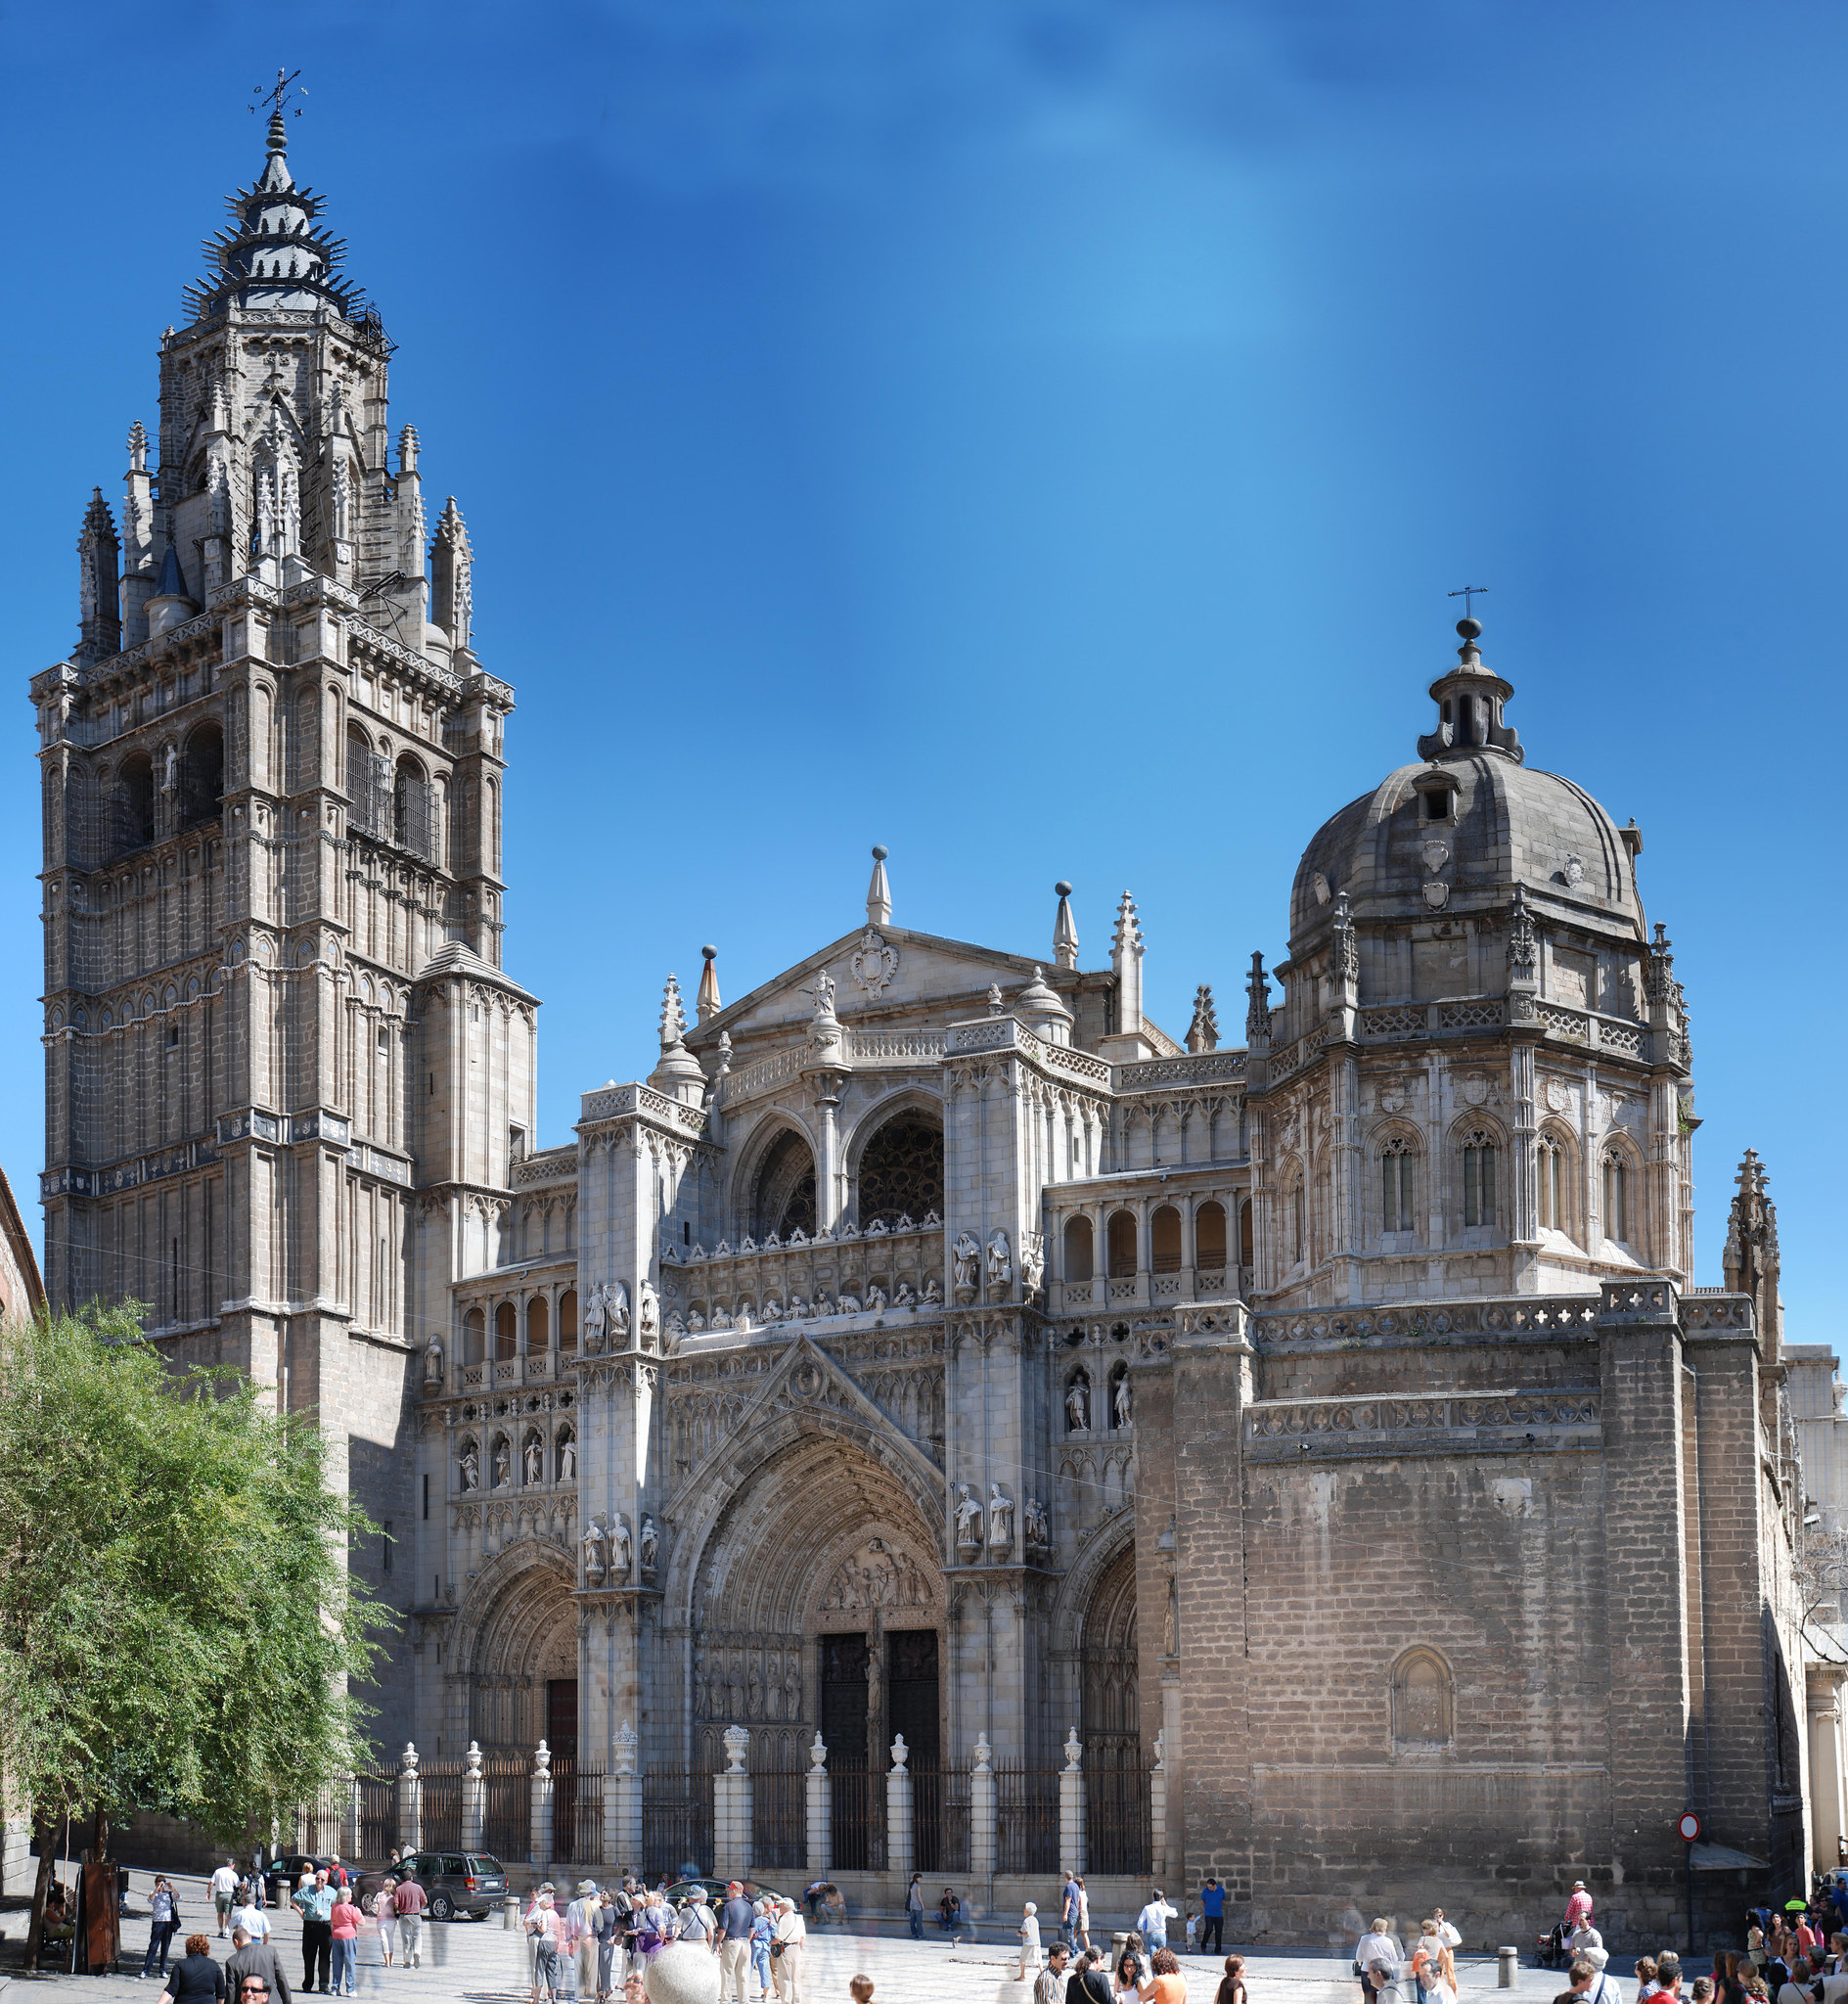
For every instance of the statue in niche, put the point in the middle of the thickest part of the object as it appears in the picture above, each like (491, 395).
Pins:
(1038, 1531)
(905, 1298)
(933, 1293)
(596, 1320)
(1078, 1404)
(792, 1688)
(773, 1689)
(876, 1300)
(503, 1463)
(753, 1692)
(1122, 1402)
(968, 1517)
(798, 1309)
(915, 1593)
(617, 1310)
(967, 1254)
(874, 1687)
(1032, 1262)
(734, 1690)
(1169, 1624)
(170, 770)
(1000, 1261)
(648, 1314)
(567, 1459)
(849, 1305)
(433, 1362)
(702, 1706)
(534, 1461)
(470, 1466)
(1000, 1518)
(650, 1542)
(623, 1551)
(594, 1567)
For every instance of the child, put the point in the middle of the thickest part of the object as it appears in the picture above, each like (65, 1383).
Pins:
(1193, 1922)
(1703, 1989)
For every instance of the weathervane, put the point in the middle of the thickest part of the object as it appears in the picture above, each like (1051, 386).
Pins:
(1466, 593)
(277, 96)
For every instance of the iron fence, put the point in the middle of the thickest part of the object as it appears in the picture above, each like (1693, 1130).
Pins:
(377, 1830)
(323, 1821)
(939, 1819)
(441, 1813)
(506, 1806)
(779, 1822)
(578, 1812)
(859, 1820)
(1116, 1819)
(676, 1822)
(1026, 1818)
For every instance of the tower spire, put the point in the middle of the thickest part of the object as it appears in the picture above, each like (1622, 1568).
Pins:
(1065, 930)
(878, 894)
(99, 555)
(710, 1003)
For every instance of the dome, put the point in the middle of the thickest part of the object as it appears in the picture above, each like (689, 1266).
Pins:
(1459, 831)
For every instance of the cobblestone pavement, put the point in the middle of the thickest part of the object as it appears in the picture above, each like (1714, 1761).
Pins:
(479, 1962)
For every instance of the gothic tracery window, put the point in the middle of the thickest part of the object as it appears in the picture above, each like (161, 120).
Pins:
(1421, 1709)
(1396, 1185)
(1478, 1178)
(901, 1172)
(1550, 1177)
(1616, 1196)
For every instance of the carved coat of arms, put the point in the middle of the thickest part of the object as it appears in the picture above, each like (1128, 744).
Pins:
(874, 961)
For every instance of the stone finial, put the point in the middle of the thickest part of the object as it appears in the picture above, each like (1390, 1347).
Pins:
(407, 449)
(818, 1754)
(736, 1746)
(985, 1755)
(996, 1004)
(708, 1004)
(1126, 963)
(1162, 1756)
(900, 1753)
(542, 1760)
(452, 575)
(1074, 1752)
(407, 1764)
(673, 1015)
(137, 447)
(879, 892)
(1257, 1014)
(473, 1758)
(1065, 930)
(628, 1744)
(1202, 1033)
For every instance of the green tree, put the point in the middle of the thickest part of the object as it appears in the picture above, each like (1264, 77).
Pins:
(178, 1628)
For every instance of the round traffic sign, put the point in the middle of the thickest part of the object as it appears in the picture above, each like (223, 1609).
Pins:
(1689, 1825)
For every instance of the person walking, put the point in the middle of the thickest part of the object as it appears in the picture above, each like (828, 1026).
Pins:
(164, 1907)
(544, 1925)
(314, 1902)
(1083, 1921)
(1213, 1917)
(1067, 1909)
(255, 1962)
(249, 1916)
(1090, 1982)
(1379, 1944)
(1049, 1986)
(258, 1896)
(736, 1918)
(914, 1905)
(195, 1978)
(606, 1928)
(787, 1948)
(343, 1920)
(408, 1901)
(1232, 1989)
(224, 1894)
(580, 1933)
(1152, 1923)
(763, 1927)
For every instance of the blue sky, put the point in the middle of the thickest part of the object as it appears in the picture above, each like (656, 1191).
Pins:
(1040, 438)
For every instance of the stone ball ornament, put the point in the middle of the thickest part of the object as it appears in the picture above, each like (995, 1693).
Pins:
(681, 1974)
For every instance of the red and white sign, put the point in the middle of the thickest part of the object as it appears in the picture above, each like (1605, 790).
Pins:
(1688, 1824)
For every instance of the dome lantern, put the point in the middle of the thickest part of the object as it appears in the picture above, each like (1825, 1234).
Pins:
(1469, 699)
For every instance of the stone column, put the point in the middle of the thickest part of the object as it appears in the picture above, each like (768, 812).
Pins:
(1158, 1812)
(1823, 1692)
(541, 1833)
(731, 1809)
(1071, 1806)
(474, 1803)
(410, 1801)
(622, 1804)
(820, 1813)
(898, 1846)
(981, 1814)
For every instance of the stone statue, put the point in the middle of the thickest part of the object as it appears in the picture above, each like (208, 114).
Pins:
(967, 1256)
(648, 1314)
(701, 1705)
(1000, 1518)
(534, 1462)
(823, 993)
(1121, 1402)
(1000, 1261)
(1038, 1531)
(650, 1542)
(932, 1293)
(753, 1692)
(1078, 1404)
(433, 1362)
(792, 1688)
(1032, 1262)
(594, 1567)
(503, 1464)
(567, 1459)
(621, 1548)
(470, 1467)
(595, 1322)
(170, 772)
(968, 1517)
(617, 1310)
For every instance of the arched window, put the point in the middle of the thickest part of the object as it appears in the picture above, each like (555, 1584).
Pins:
(1617, 1195)
(134, 801)
(1478, 1178)
(505, 1332)
(1078, 1250)
(1246, 1254)
(1209, 1237)
(567, 1320)
(1296, 1218)
(785, 1189)
(1164, 1241)
(538, 1326)
(474, 1337)
(1120, 1244)
(410, 809)
(201, 776)
(1422, 1710)
(901, 1172)
(368, 786)
(1397, 1189)
(1549, 1167)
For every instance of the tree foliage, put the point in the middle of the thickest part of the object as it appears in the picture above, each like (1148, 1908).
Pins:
(178, 1628)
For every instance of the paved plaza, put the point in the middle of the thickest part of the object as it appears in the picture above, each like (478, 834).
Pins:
(480, 1962)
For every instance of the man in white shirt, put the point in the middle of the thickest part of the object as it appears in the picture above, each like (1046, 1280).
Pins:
(785, 1963)
(1152, 1923)
(252, 1919)
(1586, 1944)
(224, 1893)
(1379, 1944)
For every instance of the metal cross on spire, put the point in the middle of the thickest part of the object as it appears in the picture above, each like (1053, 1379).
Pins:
(277, 96)
(1466, 593)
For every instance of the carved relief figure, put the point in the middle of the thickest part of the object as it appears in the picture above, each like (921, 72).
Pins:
(1038, 1531)
(1000, 1518)
(932, 1294)
(968, 1517)
(967, 1256)
(1032, 1262)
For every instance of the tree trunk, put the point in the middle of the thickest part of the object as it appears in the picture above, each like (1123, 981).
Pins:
(45, 1829)
(102, 1919)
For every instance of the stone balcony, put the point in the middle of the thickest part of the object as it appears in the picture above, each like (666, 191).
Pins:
(843, 1272)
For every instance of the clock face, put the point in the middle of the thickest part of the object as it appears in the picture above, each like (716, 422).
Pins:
(1689, 1826)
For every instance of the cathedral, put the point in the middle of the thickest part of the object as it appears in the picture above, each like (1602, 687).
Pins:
(932, 1367)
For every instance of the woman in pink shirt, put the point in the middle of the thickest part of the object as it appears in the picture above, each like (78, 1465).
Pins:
(345, 1920)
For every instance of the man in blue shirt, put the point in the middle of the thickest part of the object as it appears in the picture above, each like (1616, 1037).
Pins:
(1213, 1916)
(735, 1921)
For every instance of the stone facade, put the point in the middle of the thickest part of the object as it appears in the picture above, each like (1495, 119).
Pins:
(930, 1345)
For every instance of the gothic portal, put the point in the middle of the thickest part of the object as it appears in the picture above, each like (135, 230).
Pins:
(931, 1343)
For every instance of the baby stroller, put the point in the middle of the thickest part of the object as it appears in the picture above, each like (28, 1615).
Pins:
(1551, 1950)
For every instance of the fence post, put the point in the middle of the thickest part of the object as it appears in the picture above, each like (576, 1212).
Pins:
(821, 1827)
(898, 1846)
(1158, 1814)
(474, 1803)
(350, 1820)
(410, 1801)
(730, 1808)
(622, 1805)
(1071, 1806)
(981, 1814)
(541, 1834)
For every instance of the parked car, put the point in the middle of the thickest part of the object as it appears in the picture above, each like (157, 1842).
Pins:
(467, 1883)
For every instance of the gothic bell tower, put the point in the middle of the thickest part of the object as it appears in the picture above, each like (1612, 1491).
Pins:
(285, 1077)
